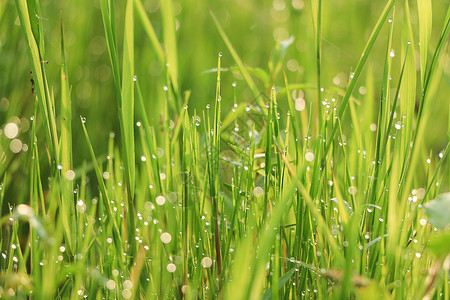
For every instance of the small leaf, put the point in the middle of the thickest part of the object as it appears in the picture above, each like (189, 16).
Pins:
(438, 211)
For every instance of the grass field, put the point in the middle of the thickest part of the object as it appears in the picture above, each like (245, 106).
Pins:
(224, 150)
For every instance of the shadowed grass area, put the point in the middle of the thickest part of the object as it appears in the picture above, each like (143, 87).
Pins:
(230, 150)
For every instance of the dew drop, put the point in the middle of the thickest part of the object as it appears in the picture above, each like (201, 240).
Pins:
(171, 268)
(160, 200)
(206, 262)
(166, 237)
(258, 192)
(309, 156)
(110, 284)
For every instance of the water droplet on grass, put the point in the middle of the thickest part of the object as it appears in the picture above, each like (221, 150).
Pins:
(300, 104)
(309, 156)
(185, 289)
(206, 262)
(11, 130)
(166, 237)
(128, 284)
(81, 206)
(352, 190)
(258, 192)
(171, 268)
(126, 293)
(70, 175)
(110, 284)
(160, 200)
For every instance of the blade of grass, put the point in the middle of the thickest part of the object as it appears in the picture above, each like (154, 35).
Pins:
(248, 79)
(102, 187)
(425, 23)
(148, 27)
(170, 43)
(362, 61)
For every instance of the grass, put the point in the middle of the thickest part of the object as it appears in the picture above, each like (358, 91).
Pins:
(288, 182)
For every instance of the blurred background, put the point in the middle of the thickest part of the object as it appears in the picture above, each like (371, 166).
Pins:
(253, 26)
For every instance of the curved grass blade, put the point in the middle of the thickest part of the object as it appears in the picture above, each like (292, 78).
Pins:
(248, 79)
(362, 61)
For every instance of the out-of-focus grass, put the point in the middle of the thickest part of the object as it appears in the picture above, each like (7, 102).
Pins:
(295, 163)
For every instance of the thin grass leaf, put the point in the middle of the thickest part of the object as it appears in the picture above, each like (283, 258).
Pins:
(355, 76)
(170, 43)
(425, 21)
(248, 79)
(148, 27)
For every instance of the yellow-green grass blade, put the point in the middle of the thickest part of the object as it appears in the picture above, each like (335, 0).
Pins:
(248, 79)
(408, 86)
(317, 17)
(430, 88)
(102, 187)
(126, 111)
(65, 151)
(127, 107)
(39, 78)
(111, 41)
(362, 61)
(424, 9)
(35, 17)
(170, 42)
(148, 27)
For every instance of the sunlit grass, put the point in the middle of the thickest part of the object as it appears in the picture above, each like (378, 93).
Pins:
(281, 186)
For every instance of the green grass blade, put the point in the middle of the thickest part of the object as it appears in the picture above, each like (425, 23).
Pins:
(362, 61)
(148, 27)
(102, 187)
(248, 79)
(170, 42)
(127, 107)
(65, 152)
(35, 58)
(425, 21)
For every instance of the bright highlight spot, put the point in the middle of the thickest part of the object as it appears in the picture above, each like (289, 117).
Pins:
(70, 175)
(309, 156)
(15, 145)
(110, 284)
(258, 192)
(166, 237)
(126, 293)
(352, 190)
(24, 210)
(300, 104)
(127, 284)
(160, 200)
(206, 262)
(171, 268)
(11, 130)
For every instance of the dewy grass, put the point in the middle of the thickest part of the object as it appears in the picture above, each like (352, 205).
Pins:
(271, 191)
